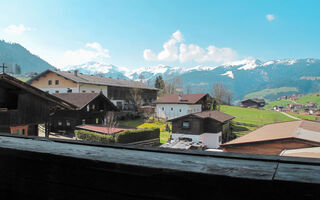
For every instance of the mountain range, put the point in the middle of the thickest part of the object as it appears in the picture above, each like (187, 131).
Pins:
(248, 76)
(241, 77)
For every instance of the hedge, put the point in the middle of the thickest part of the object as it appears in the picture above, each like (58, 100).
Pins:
(94, 137)
(135, 135)
(127, 136)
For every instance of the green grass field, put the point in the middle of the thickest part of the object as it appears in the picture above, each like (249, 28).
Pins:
(249, 119)
(271, 104)
(266, 92)
(24, 79)
(307, 117)
(309, 98)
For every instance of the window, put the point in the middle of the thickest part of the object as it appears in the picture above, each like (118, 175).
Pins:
(83, 121)
(57, 91)
(97, 120)
(179, 110)
(68, 123)
(59, 123)
(50, 82)
(185, 124)
(163, 108)
(57, 82)
(93, 107)
(171, 108)
(92, 91)
(88, 108)
(83, 91)
(69, 90)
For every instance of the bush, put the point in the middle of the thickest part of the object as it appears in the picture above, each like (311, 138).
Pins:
(94, 137)
(135, 135)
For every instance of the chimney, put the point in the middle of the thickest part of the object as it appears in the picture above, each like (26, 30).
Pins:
(180, 97)
(76, 72)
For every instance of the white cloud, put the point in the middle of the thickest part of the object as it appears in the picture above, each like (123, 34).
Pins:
(175, 50)
(93, 52)
(16, 29)
(270, 17)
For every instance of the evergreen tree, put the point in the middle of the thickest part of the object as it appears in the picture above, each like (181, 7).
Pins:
(159, 83)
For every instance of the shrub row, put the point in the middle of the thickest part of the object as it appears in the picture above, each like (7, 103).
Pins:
(128, 136)
(135, 135)
(93, 136)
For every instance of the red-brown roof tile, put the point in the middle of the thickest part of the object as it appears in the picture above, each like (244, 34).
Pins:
(186, 98)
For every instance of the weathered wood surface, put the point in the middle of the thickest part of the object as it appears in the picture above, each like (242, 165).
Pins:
(33, 168)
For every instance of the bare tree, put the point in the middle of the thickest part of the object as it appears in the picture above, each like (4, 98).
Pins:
(221, 94)
(136, 97)
(110, 121)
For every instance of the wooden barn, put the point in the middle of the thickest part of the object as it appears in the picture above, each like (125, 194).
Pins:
(212, 128)
(91, 108)
(253, 103)
(24, 107)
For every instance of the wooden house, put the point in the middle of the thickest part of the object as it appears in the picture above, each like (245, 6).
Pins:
(91, 108)
(210, 127)
(122, 93)
(23, 107)
(253, 103)
(272, 139)
(174, 105)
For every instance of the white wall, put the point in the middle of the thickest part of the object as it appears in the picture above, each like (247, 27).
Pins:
(210, 140)
(170, 111)
(61, 90)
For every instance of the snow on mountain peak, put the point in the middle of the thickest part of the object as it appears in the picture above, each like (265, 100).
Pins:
(228, 73)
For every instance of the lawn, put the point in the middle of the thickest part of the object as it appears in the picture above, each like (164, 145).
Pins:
(271, 104)
(309, 98)
(141, 123)
(307, 117)
(249, 119)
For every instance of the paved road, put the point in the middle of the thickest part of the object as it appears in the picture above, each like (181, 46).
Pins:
(286, 114)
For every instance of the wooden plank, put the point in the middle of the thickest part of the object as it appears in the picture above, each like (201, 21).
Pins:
(190, 163)
(298, 173)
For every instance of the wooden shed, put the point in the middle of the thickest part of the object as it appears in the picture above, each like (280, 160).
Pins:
(24, 107)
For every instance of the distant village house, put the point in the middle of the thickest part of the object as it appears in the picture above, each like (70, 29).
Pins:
(253, 103)
(120, 92)
(174, 105)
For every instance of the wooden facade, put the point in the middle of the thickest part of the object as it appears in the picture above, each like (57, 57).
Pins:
(23, 107)
(198, 126)
(92, 112)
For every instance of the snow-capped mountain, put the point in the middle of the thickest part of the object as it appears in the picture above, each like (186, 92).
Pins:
(242, 77)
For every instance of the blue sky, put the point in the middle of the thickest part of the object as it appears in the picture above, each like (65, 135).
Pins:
(136, 33)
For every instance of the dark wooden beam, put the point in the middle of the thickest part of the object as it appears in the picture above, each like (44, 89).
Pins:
(55, 169)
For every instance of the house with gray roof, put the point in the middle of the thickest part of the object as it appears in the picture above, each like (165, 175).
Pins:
(120, 92)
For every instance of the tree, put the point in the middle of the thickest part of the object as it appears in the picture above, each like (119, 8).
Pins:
(136, 96)
(110, 121)
(221, 94)
(159, 83)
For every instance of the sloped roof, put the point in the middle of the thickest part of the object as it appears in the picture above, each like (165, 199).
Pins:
(214, 114)
(96, 80)
(80, 100)
(35, 91)
(304, 130)
(185, 98)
